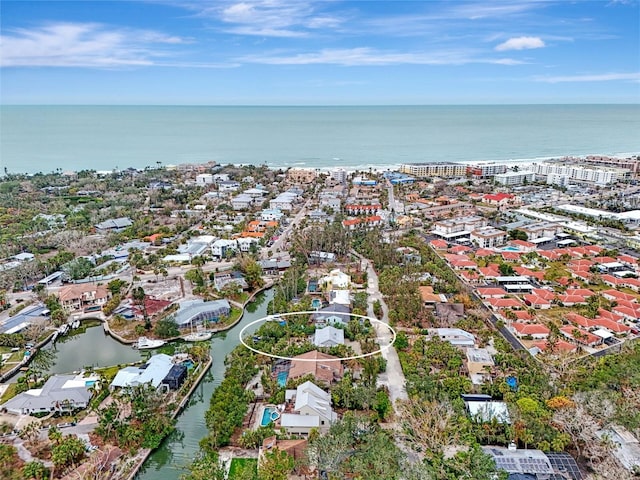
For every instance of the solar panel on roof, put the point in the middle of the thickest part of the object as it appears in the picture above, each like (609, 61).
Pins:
(563, 462)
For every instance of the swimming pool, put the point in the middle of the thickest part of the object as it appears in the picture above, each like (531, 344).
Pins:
(282, 378)
(269, 415)
(316, 303)
(510, 249)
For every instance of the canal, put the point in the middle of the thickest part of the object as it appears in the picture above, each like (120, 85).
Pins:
(95, 348)
(179, 449)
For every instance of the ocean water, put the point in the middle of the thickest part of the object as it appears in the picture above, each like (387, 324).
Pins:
(44, 138)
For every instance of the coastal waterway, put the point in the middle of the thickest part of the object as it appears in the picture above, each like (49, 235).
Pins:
(179, 449)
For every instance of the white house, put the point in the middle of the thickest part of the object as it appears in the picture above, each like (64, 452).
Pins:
(219, 248)
(228, 186)
(284, 201)
(336, 280)
(340, 297)
(204, 179)
(244, 244)
(312, 409)
(241, 202)
(328, 337)
(271, 215)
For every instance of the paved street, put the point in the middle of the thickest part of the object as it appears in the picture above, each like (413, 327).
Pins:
(393, 377)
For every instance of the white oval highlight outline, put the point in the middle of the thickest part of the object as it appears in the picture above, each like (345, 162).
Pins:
(287, 314)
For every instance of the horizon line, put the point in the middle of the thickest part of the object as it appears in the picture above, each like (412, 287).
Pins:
(305, 105)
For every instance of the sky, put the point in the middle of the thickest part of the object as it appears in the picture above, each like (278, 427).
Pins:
(330, 52)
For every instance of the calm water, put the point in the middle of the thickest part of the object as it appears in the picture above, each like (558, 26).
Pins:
(167, 463)
(43, 138)
(92, 348)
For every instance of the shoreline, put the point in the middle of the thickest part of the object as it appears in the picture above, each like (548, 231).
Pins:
(364, 167)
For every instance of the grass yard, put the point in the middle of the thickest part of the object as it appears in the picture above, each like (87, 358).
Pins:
(240, 464)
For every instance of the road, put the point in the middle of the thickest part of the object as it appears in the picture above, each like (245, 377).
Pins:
(393, 377)
(282, 239)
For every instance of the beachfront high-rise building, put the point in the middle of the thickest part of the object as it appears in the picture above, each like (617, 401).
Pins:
(485, 170)
(339, 175)
(446, 169)
(554, 171)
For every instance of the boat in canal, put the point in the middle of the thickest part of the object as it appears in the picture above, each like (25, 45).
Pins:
(197, 337)
(145, 343)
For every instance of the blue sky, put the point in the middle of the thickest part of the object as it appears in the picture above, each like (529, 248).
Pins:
(283, 52)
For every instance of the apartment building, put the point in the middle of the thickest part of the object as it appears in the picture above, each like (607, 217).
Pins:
(446, 169)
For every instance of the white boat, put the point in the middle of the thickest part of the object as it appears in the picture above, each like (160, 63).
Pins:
(197, 337)
(75, 324)
(145, 343)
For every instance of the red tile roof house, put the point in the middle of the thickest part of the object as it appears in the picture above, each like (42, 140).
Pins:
(511, 256)
(560, 346)
(491, 292)
(537, 331)
(470, 276)
(544, 293)
(580, 320)
(583, 292)
(537, 302)
(614, 295)
(439, 244)
(613, 327)
(610, 280)
(460, 249)
(523, 245)
(628, 259)
(498, 303)
(578, 335)
(626, 312)
(490, 272)
(484, 252)
(632, 283)
(499, 199)
(548, 254)
(571, 300)
(609, 315)
(593, 249)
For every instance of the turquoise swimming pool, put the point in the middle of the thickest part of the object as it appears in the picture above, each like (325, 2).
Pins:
(510, 249)
(282, 378)
(269, 415)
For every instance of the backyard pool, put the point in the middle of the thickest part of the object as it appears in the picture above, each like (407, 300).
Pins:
(316, 303)
(269, 414)
(282, 378)
(510, 249)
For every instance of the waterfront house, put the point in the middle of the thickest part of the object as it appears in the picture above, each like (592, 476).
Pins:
(154, 372)
(197, 312)
(83, 295)
(62, 393)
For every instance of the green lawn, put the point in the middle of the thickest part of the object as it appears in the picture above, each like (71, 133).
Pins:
(238, 464)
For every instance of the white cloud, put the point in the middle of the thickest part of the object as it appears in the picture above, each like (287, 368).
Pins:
(602, 77)
(520, 43)
(269, 18)
(365, 56)
(83, 45)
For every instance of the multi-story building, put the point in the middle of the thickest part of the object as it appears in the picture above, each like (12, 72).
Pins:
(538, 230)
(339, 175)
(446, 169)
(485, 170)
(83, 295)
(458, 228)
(488, 237)
(301, 175)
(514, 178)
(580, 173)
